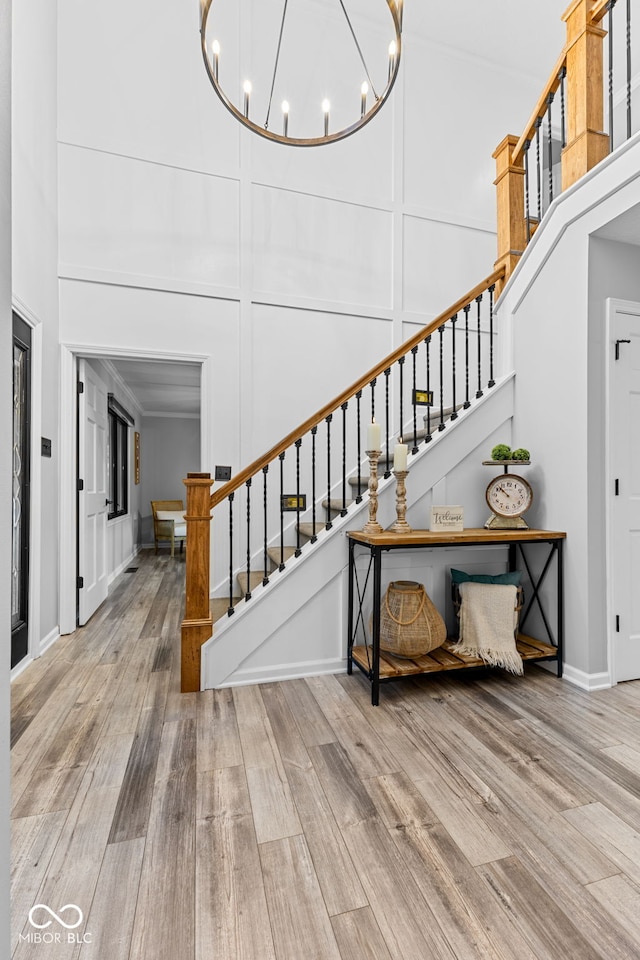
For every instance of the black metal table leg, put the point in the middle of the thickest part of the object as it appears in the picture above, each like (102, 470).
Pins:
(350, 636)
(560, 635)
(375, 679)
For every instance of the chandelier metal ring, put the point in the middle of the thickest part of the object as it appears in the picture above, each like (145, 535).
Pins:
(367, 113)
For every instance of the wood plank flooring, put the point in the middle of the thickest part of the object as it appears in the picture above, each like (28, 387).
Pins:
(468, 816)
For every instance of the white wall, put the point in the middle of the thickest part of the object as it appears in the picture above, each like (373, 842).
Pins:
(288, 271)
(554, 307)
(5, 455)
(170, 448)
(35, 281)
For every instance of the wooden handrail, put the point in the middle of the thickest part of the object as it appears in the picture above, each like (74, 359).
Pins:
(223, 492)
(598, 11)
(540, 108)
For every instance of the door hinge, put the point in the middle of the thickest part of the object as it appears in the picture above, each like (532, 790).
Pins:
(618, 342)
(617, 623)
(80, 583)
(80, 386)
(617, 490)
(80, 484)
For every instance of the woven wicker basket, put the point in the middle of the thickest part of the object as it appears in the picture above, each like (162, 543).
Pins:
(410, 625)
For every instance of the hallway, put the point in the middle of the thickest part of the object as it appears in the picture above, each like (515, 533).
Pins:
(466, 817)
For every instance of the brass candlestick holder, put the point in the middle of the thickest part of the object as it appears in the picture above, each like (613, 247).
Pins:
(372, 525)
(401, 525)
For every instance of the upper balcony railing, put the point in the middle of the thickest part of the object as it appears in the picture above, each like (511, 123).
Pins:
(583, 112)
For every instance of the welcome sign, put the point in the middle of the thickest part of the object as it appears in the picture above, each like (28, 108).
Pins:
(445, 518)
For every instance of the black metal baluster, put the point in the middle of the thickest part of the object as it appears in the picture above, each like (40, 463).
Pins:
(247, 595)
(373, 399)
(297, 445)
(563, 74)
(479, 390)
(610, 7)
(467, 402)
(628, 69)
(527, 212)
(414, 449)
(550, 146)
(454, 412)
(358, 432)
(314, 431)
(387, 374)
(281, 459)
(230, 609)
(265, 578)
(343, 512)
(427, 342)
(492, 382)
(328, 420)
(539, 179)
(401, 431)
(441, 332)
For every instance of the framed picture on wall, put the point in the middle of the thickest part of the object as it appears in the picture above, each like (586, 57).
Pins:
(136, 456)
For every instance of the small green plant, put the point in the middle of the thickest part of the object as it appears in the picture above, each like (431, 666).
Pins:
(520, 454)
(501, 452)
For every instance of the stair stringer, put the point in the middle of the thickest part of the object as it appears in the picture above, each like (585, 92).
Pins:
(306, 603)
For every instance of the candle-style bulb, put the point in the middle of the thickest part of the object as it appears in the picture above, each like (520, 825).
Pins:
(285, 118)
(392, 58)
(215, 58)
(326, 106)
(247, 93)
(364, 90)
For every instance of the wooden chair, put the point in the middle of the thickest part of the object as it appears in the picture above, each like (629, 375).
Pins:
(168, 530)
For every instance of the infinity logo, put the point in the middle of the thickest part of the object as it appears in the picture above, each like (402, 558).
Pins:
(67, 906)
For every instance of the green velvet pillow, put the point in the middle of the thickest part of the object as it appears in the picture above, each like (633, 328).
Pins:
(512, 577)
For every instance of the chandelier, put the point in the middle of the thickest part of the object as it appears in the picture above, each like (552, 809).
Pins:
(307, 72)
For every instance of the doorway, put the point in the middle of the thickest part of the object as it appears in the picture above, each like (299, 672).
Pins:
(145, 382)
(624, 489)
(20, 490)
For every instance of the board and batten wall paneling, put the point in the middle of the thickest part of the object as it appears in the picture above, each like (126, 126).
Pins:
(318, 355)
(143, 92)
(137, 219)
(441, 261)
(321, 249)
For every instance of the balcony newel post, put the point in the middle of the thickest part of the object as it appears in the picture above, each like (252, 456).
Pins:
(197, 626)
(587, 143)
(509, 185)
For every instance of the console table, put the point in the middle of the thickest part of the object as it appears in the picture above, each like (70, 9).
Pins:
(380, 667)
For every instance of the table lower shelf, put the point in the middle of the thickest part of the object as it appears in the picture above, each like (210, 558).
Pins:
(444, 658)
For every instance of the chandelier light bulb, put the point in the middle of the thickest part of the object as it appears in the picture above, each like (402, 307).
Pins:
(364, 90)
(247, 92)
(326, 106)
(392, 58)
(215, 50)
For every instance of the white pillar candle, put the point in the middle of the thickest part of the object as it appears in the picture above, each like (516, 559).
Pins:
(400, 457)
(373, 436)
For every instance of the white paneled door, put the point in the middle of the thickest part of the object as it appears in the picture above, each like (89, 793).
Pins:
(624, 452)
(92, 495)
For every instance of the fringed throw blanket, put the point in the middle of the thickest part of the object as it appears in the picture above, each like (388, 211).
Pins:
(488, 620)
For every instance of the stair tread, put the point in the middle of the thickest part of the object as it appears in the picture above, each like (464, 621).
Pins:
(255, 580)
(310, 529)
(335, 504)
(274, 554)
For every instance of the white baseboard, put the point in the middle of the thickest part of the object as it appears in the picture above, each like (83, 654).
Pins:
(21, 667)
(587, 681)
(123, 566)
(285, 671)
(45, 643)
(50, 639)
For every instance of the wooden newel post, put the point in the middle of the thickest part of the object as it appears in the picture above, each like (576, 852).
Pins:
(587, 143)
(509, 183)
(197, 625)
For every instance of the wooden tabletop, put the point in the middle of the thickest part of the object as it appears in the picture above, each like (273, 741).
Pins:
(425, 538)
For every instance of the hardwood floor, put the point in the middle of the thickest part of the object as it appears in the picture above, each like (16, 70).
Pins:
(466, 817)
